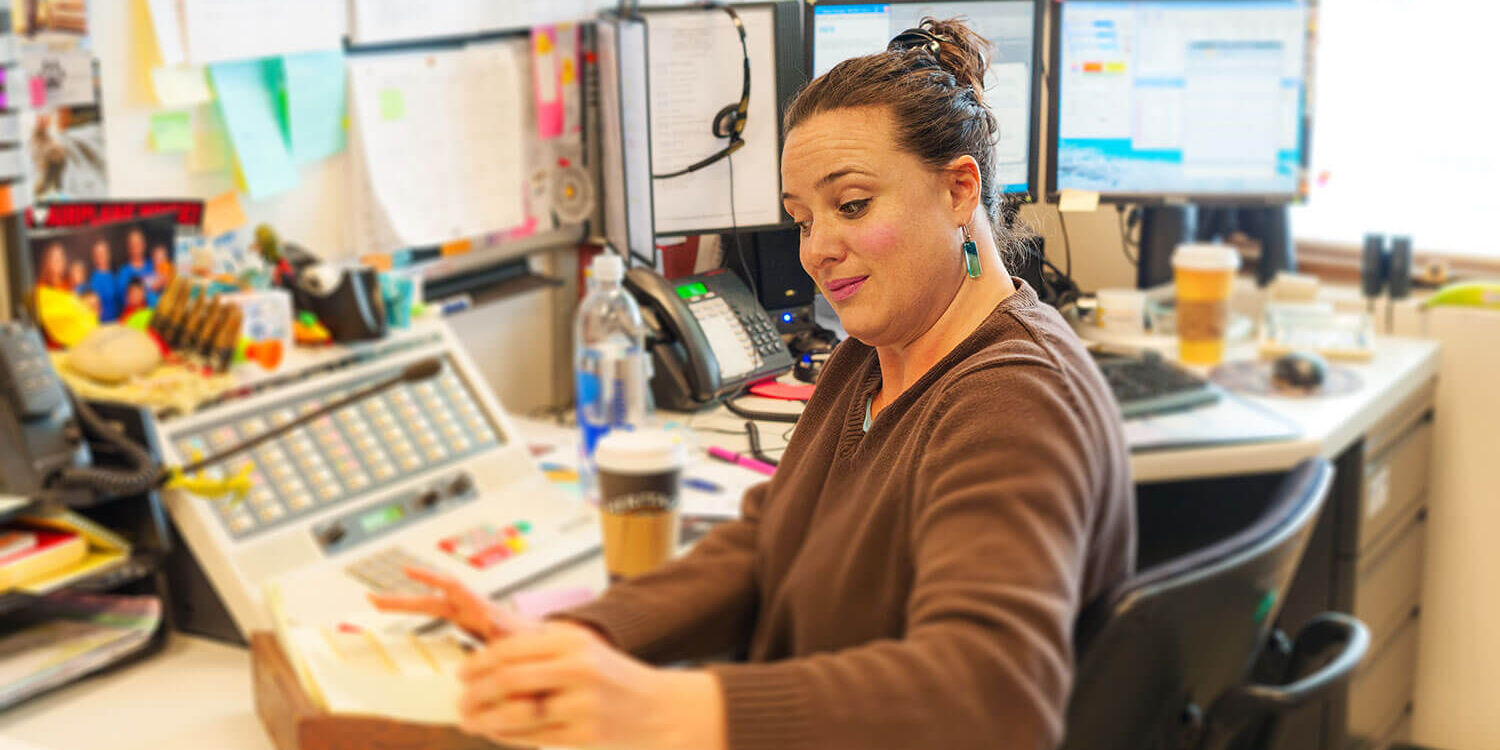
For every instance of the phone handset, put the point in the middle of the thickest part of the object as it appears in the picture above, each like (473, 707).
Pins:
(674, 330)
(39, 434)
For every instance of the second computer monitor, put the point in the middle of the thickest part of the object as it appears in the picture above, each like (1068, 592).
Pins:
(839, 30)
(1192, 99)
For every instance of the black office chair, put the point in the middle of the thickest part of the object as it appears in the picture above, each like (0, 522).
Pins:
(1165, 660)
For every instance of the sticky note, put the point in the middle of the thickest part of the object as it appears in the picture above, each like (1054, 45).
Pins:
(537, 604)
(248, 106)
(171, 132)
(314, 84)
(210, 151)
(38, 92)
(1077, 201)
(180, 86)
(223, 214)
(392, 104)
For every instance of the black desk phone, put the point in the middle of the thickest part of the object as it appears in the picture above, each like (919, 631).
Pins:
(707, 335)
(45, 432)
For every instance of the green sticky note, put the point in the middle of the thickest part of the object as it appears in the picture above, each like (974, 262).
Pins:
(314, 97)
(392, 104)
(171, 132)
(247, 103)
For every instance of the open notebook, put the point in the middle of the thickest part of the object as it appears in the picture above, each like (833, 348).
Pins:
(374, 665)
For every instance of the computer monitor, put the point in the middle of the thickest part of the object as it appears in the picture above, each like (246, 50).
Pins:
(838, 30)
(1198, 100)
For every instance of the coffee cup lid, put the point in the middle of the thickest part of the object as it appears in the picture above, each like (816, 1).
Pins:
(639, 452)
(1206, 256)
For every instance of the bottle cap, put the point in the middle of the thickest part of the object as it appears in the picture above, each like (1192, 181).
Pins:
(608, 267)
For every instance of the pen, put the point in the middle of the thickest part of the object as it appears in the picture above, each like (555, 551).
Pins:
(729, 456)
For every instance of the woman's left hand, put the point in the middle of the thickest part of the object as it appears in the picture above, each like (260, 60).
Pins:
(562, 684)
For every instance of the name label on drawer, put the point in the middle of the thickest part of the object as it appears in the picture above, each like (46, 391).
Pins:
(1377, 492)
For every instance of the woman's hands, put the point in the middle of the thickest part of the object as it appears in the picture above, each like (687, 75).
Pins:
(454, 602)
(562, 684)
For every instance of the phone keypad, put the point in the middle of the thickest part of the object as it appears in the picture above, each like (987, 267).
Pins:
(362, 448)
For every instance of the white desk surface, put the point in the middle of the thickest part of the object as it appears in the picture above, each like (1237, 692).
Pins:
(1329, 424)
(197, 693)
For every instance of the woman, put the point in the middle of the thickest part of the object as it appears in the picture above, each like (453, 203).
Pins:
(54, 268)
(956, 489)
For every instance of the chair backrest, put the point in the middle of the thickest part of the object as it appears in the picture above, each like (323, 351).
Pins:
(1169, 641)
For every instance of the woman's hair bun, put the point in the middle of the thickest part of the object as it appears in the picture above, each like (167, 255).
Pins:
(961, 51)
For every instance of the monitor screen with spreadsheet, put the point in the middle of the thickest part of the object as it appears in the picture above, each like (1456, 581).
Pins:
(838, 31)
(1190, 98)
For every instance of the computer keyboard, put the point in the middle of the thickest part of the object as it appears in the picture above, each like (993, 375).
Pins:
(1148, 384)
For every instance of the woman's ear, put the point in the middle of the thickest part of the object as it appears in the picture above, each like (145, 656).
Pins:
(964, 187)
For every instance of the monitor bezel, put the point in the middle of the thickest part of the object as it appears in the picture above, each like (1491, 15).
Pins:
(1054, 101)
(1033, 191)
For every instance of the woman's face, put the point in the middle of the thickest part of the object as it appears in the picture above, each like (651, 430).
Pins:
(56, 264)
(881, 231)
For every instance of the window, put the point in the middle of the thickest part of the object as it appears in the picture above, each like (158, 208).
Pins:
(1406, 138)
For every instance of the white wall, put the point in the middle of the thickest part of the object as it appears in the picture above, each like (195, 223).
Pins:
(509, 338)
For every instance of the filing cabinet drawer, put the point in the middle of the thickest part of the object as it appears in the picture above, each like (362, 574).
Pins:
(1390, 581)
(1394, 480)
(1383, 687)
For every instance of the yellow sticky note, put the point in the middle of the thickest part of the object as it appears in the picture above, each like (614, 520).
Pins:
(210, 151)
(171, 132)
(180, 86)
(145, 55)
(223, 214)
(1078, 201)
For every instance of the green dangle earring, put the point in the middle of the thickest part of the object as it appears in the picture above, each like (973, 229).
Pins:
(971, 254)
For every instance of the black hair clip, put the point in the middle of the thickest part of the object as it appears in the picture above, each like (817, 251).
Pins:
(915, 39)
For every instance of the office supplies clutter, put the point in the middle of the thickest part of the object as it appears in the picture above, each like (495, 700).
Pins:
(68, 635)
(67, 548)
(609, 364)
(1316, 327)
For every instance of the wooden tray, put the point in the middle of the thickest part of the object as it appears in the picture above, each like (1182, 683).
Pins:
(294, 722)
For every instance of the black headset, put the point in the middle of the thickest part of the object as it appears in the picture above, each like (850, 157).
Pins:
(730, 121)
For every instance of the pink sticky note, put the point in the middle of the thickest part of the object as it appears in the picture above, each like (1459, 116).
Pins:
(38, 92)
(546, 84)
(540, 603)
(782, 391)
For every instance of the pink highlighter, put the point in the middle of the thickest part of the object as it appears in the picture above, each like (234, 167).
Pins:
(729, 456)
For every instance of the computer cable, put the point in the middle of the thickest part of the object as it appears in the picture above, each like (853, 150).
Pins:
(757, 415)
(753, 433)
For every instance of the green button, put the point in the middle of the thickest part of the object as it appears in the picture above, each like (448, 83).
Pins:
(699, 288)
(685, 291)
(523, 526)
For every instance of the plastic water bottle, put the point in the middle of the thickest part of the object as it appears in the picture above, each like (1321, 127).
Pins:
(609, 364)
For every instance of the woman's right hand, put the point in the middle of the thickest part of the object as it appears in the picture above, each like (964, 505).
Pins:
(454, 602)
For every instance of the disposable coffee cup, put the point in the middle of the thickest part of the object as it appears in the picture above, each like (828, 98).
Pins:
(1204, 278)
(640, 486)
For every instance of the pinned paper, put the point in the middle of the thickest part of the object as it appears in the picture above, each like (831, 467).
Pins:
(248, 106)
(314, 87)
(166, 22)
(392, 104)
(180, 86)
(223, 214)
(1079, 201)
(171, 132)
(210, 152)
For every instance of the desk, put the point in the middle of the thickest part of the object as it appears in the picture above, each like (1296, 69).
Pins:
(197, 693)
